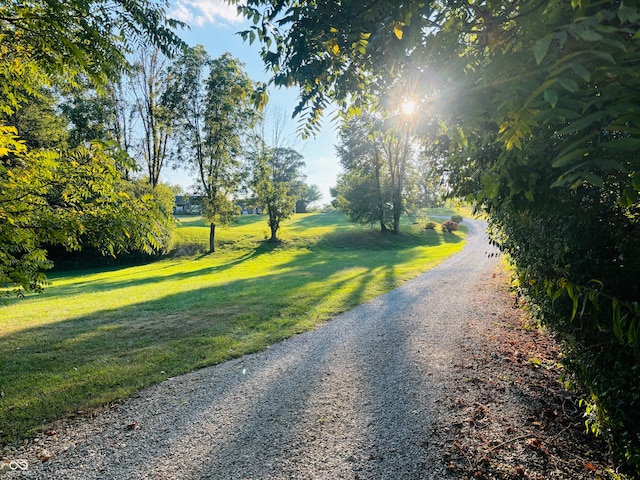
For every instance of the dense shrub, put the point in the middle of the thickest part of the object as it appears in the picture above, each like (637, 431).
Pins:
(456, 218)
(450, 226)
(582, 276)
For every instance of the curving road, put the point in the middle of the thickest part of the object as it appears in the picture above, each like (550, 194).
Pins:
(353, 399)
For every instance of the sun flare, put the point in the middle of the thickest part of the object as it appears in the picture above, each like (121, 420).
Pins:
(408, 107)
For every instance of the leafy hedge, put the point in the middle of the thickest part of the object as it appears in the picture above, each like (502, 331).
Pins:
(576, 260)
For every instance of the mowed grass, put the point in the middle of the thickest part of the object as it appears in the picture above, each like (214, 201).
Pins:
(95, 337)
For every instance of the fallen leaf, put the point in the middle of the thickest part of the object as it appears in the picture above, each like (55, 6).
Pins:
(132, 426)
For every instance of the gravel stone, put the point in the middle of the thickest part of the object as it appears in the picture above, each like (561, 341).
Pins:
(353, 399)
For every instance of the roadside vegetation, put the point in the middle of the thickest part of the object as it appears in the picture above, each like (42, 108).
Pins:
(527, 109)
(96, 336)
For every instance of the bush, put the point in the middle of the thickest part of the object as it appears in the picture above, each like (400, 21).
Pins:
(430, 226)
(582, 280)
(450, 226)
(456, 218)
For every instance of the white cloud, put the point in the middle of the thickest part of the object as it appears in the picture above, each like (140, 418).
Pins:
(202, 12)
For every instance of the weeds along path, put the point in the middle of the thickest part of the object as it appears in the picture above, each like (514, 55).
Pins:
(352, 399)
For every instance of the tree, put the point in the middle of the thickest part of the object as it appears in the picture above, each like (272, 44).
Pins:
(151, 83)
(307, 195)
(215, 115)
(376, 156)
(38, 122)
(360, 191)
(187, 97)
(88, 113)
(276, 180)
(50, 196)
(93, 37)
(347, 52)
(276, 172)
(229, 117)
(358, 195)
(72, 198)
(397, 152)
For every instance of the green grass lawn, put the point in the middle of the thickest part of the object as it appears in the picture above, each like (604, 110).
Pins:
(98, 336)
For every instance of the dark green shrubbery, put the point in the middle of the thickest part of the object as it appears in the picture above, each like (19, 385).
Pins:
(456, 218)
(581, 273)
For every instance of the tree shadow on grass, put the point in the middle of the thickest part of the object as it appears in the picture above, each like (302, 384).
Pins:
(329, 220)
(95, 359)
(340, 240)
(155, 276)
(451, 238)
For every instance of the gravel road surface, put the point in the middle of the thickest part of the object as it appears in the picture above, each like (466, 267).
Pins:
(353, 399)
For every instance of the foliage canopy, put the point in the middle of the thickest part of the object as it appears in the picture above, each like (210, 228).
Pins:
(214, 101)
(53, 193)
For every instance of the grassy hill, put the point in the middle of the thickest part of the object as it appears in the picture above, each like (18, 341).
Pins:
(96, 336)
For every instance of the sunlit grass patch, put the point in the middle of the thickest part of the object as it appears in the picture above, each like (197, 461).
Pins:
(96, 336)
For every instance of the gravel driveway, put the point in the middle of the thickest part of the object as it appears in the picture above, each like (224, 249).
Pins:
(353, 399)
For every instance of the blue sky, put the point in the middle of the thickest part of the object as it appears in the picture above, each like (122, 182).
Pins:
(214, 24)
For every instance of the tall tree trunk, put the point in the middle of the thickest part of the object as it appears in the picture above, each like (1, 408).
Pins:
(397, 213)
(212, 236)
(383, 227)
(273, 225)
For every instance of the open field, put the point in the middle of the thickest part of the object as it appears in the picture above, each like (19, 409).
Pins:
(97, 336)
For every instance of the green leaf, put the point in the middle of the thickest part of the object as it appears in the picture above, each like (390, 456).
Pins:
(565, 179)
(568, 84)
(581, 71)
(568, 158)
(617, 320)
(541, 47)
(629, 197)
(606, 29)
(573, 295)
(491, 185)
(594, 179)
(551, 97)
(614, 43)
(583, 123)
(529, 195)
(540, 89)
(627, 14)
(604, 55)
(635, 181)
(590, 36)
(622, 145)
